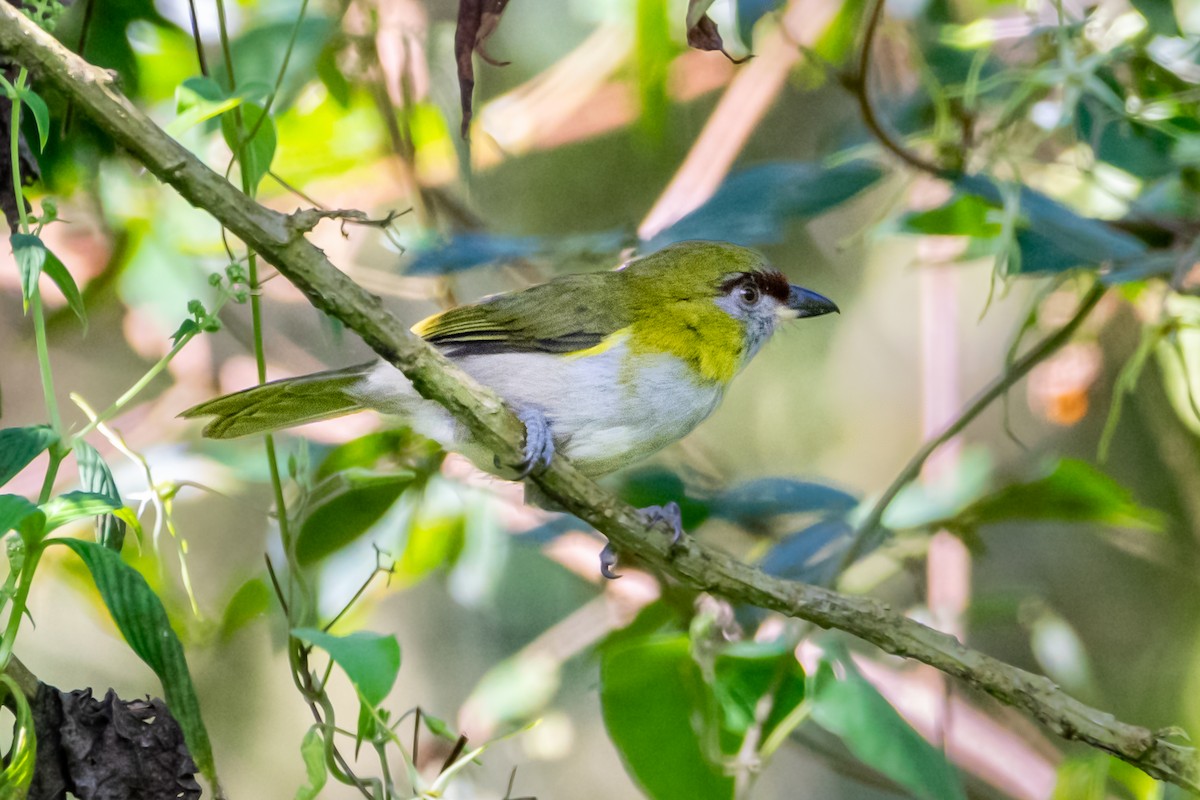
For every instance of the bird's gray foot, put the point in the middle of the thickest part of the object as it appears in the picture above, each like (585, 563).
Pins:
(539, 442)
(669, 516)
(608, 560)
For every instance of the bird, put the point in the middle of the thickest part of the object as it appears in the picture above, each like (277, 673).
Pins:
(605, 368)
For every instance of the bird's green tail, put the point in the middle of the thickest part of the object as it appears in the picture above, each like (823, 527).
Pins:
(282, 404)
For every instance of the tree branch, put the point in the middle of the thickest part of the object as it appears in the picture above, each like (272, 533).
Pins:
(700, 567)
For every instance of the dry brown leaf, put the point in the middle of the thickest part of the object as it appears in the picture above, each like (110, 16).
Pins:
(477, 20)
(705, 36)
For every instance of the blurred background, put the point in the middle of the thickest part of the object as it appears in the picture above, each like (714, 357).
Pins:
(1073, 499)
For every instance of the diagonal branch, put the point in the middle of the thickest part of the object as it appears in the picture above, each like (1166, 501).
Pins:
(703, 568)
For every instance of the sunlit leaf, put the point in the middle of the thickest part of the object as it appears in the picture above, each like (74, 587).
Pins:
(20, 446)
(58, 272)
(651, 694)
(312, 750)
(964, 215)
(1073, 491)
(30, 254)
(21, 759)
(343, 507)
(370, 660)
(96, 477)
(846, 705)
(76, 505)
(140, 617)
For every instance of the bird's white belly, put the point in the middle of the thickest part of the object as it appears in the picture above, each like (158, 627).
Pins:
(606, 409)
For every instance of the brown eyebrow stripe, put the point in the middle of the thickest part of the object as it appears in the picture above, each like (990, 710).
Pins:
(768, 281)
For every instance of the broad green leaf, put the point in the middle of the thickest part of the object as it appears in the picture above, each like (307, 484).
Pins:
(1082, 778)
(965, 215)
(250, 601)
(746, 672)
(21, 759)
(343, 507)
(836, 43)
(258, 52)
(312, 750)
(438, 727)
(30, 254)
(853, 710)
(58, 272)
(76, 505)
(652, 694)
(142, 620)
(1073, 491)
(431, 542)
(41, 114)
(19, 446)
(370, 660)
(96, 477)
(256, 154)
(14, 510)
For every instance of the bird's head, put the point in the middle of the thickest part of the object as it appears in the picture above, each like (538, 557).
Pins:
(713, 304)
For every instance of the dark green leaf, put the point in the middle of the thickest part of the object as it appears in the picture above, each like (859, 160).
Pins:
(30, 255)
(256, 154)
(656, 486)
(312, 750)
(331, 76)
(201, 87)
(19, 446)
(96, 477)
(258, 54)
(651, 693)
(343, 507)
(370, 660)
(76, 505)
(811, 555)
(1160, 14)
(751, 206)
(14, 510)
(140, 617)
(1052, 238)
(769, 497)
(965, 215)
(1074, 491)
(187, 327)
(852, 709)
(41, 114)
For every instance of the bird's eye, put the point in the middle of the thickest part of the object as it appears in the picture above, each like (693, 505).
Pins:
(748, 294)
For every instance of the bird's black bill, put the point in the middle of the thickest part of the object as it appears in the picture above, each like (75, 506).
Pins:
(810, 304)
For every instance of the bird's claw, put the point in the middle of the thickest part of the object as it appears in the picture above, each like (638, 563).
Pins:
(608, 560)
(539, 442)
(669, 514)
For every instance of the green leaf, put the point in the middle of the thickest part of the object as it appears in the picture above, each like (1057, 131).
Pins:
(96, 477)
(30, 255)
(140, 617)
(21, 759)
(255, 156)
(370, 660)
(965, 215)
(41, 114)
(76, 505)
(853, 710)
(250, 601)
(343, 507)
(20, 446)
(651, 692)
(186, 328)
(439, 727)
(58, 272)
(746, 672)
(312, 750)
(1074, 491)
(836, 43)
(14, 510)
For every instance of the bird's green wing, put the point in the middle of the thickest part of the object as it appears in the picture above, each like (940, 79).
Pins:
(568, 314)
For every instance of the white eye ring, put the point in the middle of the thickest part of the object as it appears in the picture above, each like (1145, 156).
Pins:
(749, 295)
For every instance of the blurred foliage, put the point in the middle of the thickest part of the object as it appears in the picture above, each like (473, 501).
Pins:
(1062, 145)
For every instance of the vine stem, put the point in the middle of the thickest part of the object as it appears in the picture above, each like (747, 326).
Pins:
(993, 391)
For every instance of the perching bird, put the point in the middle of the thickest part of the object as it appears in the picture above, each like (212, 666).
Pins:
(605, 368)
